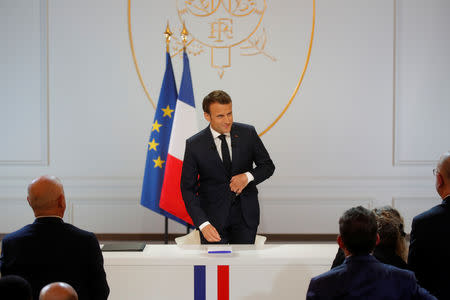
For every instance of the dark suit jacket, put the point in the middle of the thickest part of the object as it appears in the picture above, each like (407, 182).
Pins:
(383, 254)
(364, 277)
(429, 249)
(50, 250)
(205, 183)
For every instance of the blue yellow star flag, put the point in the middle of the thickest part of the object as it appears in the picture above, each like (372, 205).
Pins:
(158, 143)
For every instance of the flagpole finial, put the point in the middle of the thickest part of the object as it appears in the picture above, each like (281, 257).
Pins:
(168, 34)
(184, 34)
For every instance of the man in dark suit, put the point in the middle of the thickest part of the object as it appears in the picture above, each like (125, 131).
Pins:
(218, 180)
(361, 276)
(50, 250)
(429, 249)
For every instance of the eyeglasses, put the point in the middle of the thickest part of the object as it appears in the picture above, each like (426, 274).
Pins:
(435, 172)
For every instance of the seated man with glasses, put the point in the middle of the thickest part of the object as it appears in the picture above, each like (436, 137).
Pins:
(429, 250)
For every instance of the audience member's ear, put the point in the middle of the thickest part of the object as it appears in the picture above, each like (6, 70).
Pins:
(378, 239)
(342, 246)
(61, 202)
(440, 180)
(340, 242)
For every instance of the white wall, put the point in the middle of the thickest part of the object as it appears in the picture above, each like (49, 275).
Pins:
(365, 127)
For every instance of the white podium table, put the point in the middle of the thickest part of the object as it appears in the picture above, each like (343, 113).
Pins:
(265, 272)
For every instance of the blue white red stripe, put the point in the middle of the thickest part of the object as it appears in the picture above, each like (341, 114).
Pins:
(211, 282)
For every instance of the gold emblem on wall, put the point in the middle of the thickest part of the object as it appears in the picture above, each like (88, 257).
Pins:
(221, 25)
(217, 24)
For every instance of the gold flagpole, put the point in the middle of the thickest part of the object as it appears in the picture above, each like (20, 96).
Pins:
(184, 34)
(168, 35)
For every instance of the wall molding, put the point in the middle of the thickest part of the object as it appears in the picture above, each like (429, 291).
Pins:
(397, 159)
(119, 215)
(88, 188)
(44, 95)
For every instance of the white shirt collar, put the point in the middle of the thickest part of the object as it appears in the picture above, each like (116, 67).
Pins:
(49, 216)
(215, 134)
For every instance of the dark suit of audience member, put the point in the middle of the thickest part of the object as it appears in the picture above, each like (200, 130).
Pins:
(391, 249)
(13, 287)
(50, 250)
(362, 276)
(429, 250)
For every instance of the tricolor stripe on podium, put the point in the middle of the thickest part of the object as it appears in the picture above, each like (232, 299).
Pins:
(211, 282)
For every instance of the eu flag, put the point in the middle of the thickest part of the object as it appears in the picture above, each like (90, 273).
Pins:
(158, 143)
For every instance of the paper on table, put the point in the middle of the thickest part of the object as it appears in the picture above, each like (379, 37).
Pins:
(219, 249)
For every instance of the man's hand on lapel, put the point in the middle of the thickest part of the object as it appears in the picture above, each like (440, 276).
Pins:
(210, 233)
(238, 183)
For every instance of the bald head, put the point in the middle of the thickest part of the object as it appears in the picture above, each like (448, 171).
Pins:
(443, 175)
(46, 196)
(444, 165)
(58, 291)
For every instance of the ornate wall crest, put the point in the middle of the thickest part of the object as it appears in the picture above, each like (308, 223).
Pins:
(223, 33)
(222, 25)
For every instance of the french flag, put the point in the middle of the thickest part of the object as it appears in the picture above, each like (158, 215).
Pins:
(211, 282)
(184, 126)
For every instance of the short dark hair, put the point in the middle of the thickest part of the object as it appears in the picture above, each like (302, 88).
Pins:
(217, 96)
(15, 287)
(358, 230)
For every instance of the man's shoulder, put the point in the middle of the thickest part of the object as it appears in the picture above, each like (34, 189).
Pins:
(374, 268)
(404, 279)
(369, 263)
(329, 275)
(78, 233)
(432, 213)
(202, 134)
(77, 230)
(30, 230)
(17, 234)
(382, 272)
(244, 131)
(397, 272)
(242, 126)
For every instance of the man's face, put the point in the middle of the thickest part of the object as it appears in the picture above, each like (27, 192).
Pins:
(220, 117)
